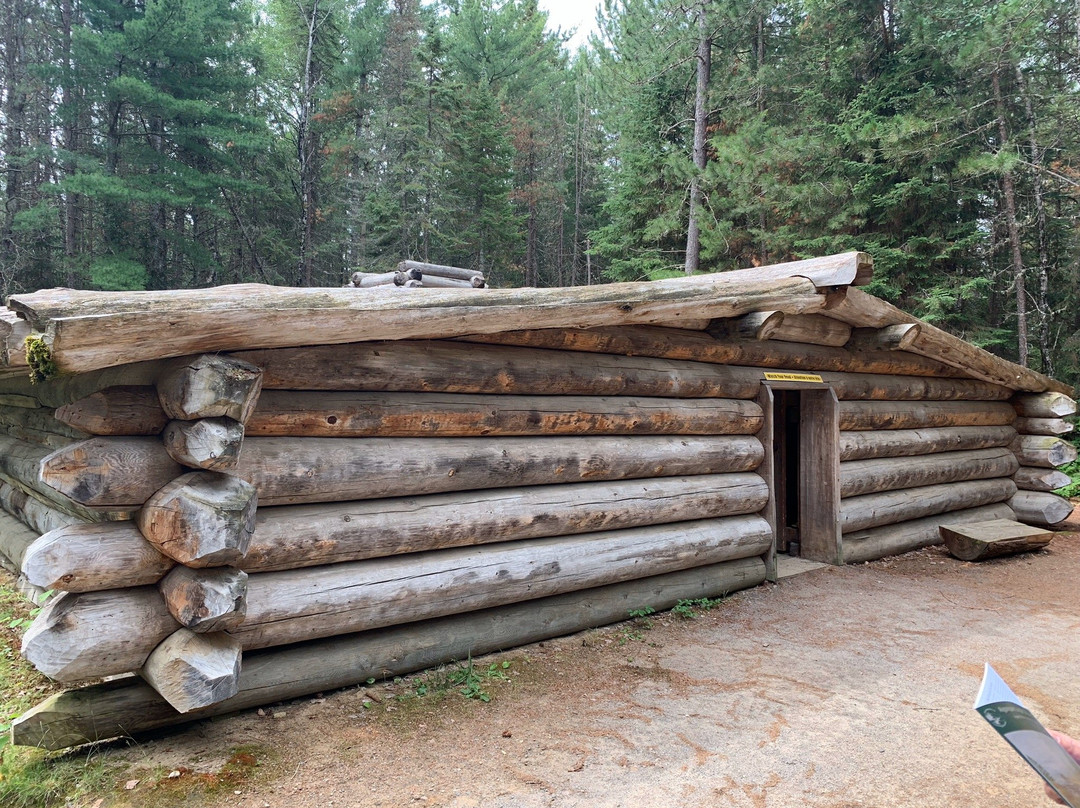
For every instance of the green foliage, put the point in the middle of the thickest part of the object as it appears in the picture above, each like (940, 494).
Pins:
(39, 358)
(118, 274)
(1073, 488)
(689, 609)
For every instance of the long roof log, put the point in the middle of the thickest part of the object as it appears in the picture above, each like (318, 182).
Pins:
(90, 330)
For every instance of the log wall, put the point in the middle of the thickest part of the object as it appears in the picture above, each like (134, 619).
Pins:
(905, 465)
(263, 505)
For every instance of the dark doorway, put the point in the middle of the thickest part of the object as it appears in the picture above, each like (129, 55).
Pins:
(786, 463)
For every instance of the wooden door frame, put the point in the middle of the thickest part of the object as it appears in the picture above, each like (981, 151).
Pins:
(820, 538)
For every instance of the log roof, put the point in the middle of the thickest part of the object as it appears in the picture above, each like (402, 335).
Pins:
(82, 331)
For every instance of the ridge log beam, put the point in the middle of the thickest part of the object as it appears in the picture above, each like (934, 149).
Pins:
(90, 330)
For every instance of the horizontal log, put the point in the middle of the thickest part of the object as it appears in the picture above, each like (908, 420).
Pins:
(82, 635)
(890, 338)
(1040, 508)
(209, 386)
(92, 557)
(39, 419)
(15, 538)
(813, 329)
(294, 536)
(437, 282)
(88, 635)
(294, 605)
(753, 326)
(1045, 405)
(888, 474)
(440, 270)
(876, 510)
(992, 539)
(109, 471)
(130, 706)
(295, 470)
(201, 519)
(20, 464)
(449, 367)
(915, 442)
(206, 601)
(366, 280)
(33, 511)
(452, 367)
(13, 333)
(89, 330)
(1029, 478)
(859, 309)
(672, 343)
(208, 443)
(879, 542)
(193, 670)
(61, 390)
(318, 414)
(923, 414)
(1043, 451)
(1043, 426)
(121, 410)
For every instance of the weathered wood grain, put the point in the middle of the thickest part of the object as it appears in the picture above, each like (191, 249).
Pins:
(862, 310)
(208, 443)
(109, 471)
(887, 508)
(1043, 451)
(290, 606)
(856, 415)
(120, 410)
(1043, 426)
(208, 600)
(889, 338)
(914, 442)
(683, 344)
(92, 557)
(888, 474)
(812, 329)
(292, 536)
(1045, 405)
(201, 519)
(130, 706)
(992, 539)
(33, 511)
(316, 414)
(191, 670)
(209, 386)
(879, 542)
(1029, 478)
(453, 367)
(15, 538)
(1040, 508)
(89, 330)
(439, 270)
(87, 635)
(819, 476)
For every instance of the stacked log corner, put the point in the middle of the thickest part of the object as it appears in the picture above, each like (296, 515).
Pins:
(1041, 450)
(380, 485)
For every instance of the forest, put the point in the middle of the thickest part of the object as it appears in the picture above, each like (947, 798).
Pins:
(152, 144)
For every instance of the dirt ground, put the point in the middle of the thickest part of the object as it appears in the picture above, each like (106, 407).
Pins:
(837, 687)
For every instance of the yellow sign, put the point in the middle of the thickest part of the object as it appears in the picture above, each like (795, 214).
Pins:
(794, 377)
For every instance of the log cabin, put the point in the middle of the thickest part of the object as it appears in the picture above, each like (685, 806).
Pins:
(225, 485)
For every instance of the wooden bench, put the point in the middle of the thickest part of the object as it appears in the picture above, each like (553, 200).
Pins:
(997, 537)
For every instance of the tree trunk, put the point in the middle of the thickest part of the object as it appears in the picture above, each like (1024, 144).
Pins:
(1009, 198)
(704, 64)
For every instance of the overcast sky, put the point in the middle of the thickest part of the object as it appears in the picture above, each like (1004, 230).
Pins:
(567, 14)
